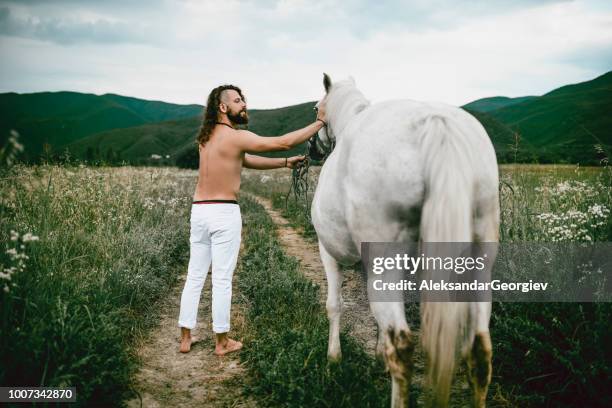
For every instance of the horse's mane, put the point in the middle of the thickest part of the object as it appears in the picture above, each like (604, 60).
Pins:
(344, 101)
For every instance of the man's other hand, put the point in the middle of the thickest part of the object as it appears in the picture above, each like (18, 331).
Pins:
(294, 161)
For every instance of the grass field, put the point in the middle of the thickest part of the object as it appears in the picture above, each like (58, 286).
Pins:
(85, 254)
(87, 251)
(545, 354)
(538, 202)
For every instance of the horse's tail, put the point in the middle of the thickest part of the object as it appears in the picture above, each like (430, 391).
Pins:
(446, 217)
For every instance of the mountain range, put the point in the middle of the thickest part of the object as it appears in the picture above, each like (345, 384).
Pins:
(571, 124)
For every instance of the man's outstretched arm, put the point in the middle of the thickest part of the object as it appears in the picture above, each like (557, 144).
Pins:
(250, 142)
(265, 163)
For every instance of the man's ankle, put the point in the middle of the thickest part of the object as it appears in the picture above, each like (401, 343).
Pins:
(185, 332)
(221, 339)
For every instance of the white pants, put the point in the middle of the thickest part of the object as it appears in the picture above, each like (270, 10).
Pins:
(215, 238)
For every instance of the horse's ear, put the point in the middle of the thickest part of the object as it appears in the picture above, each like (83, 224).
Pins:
(326, 82)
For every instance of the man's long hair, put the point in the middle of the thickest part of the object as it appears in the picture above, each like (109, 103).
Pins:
(211, 112)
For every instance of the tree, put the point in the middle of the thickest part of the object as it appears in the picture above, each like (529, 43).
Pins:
(90, 154)
(188, 158)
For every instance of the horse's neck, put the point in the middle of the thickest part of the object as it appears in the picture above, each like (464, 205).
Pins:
(353, 103)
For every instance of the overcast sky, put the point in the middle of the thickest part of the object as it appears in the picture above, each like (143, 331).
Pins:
(177, 51)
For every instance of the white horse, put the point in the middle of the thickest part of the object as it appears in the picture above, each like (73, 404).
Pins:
(404, 171)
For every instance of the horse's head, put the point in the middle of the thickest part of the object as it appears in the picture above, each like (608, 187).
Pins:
(321, 145)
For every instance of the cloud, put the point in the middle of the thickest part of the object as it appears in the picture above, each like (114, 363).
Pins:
(513, 54)
(70, 31)
(591, 56)
(363, 18)
(73, 21)
(277, 50)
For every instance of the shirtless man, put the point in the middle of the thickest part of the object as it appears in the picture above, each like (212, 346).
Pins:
(215, 215)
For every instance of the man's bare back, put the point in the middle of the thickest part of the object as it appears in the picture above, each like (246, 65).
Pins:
(220, 166)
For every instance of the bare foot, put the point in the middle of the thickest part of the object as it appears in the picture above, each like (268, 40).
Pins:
(227, 347)
(187, 342)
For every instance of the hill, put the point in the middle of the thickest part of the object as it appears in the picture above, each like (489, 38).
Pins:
(176, 138)
(495, 102)
(60, 118)
(136, 144)
(565, 125)
(508, 148)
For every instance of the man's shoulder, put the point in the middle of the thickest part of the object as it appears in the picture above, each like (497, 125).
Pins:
(241, 138)
(235, 133)
(244, 132)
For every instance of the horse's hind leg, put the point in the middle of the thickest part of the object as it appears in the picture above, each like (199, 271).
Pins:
(398, 348)
(479, 355)
(479, 367)
(334, 302)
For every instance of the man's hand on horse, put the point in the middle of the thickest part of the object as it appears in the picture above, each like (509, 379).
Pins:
(321, 111)
(295, 161)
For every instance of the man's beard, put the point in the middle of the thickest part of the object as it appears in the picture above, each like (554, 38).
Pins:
(238, 118)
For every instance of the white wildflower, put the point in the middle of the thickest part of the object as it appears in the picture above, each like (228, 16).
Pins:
(29, 237)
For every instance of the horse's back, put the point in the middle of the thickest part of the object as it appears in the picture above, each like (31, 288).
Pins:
(375, 174)
(388, 136)
(401, 122)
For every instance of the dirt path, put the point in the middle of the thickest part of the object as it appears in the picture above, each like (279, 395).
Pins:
(199, 378)
(356, 313)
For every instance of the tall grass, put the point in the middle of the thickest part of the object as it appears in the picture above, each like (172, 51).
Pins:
(555, 203)
(110, 242)
(562, 347)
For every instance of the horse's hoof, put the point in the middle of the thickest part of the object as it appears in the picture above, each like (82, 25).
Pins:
(334, 358)
(379, 353)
